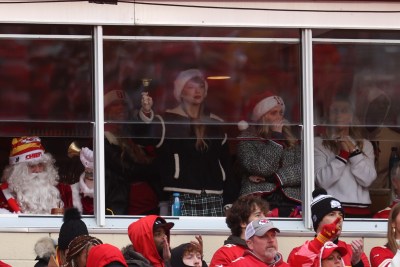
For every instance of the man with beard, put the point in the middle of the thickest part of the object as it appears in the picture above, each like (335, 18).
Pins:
(150, 236)
(31, 182)
(262, 243)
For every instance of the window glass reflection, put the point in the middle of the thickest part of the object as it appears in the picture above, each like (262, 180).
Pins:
(45, 80)
(46, 104)
(367, 76)
(190, 133)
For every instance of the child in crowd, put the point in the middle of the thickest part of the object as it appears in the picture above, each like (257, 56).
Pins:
(187, 254)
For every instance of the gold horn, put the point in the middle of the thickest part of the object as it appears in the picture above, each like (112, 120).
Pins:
(73, 150)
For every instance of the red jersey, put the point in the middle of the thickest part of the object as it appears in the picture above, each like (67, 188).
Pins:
(381, 256)
(384, 214)
(226, 254)
(3, 264)
(250, 260)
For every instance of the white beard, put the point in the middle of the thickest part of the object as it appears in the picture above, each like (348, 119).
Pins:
(36, 193)
(38, 196)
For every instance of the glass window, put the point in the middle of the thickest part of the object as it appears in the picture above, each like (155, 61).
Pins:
(46, 91)
(200, 91)
(356, 117)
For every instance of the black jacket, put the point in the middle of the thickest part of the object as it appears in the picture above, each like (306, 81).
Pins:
(120, 171)
(185, 169)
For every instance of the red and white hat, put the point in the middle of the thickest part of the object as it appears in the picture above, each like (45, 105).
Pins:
(258, 105)
(114, 95)
(183, 77)
(330, 247)
(327, 250)
(26, 149)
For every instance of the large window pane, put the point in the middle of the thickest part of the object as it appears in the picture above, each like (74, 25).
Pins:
(46, 91)
(234, 72)
(366, 75)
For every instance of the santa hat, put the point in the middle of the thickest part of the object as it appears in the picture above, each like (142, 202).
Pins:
(183, 78)
(114, 95)
(86, 157)
(323, 204)
(26, 149)
(258, 105)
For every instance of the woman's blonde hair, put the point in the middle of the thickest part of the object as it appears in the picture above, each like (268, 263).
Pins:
(354, 132)
(263, 129)
(391, 231)
(198, 123)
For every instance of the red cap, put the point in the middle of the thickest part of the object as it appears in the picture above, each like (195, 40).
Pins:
(330, 247)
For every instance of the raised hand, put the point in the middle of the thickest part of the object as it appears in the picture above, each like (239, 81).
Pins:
(166, 250)
(198, 244)
(358, 247)
(329, 231)
(277, 126)
(256, 179)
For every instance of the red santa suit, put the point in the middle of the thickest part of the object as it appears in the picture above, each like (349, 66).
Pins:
(77, 195)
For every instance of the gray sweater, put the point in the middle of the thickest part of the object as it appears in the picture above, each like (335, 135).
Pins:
(272, 159)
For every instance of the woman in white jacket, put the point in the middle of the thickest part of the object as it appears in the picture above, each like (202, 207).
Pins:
(344, 161)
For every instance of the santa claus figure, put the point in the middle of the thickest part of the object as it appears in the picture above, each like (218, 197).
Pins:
(31, 182)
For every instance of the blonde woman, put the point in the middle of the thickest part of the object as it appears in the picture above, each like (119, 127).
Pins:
(344, 161)
(269, 156)
(192, 150)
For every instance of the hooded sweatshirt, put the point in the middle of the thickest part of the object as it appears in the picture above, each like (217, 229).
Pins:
(3, 264)
(104, 254)
(141, 235)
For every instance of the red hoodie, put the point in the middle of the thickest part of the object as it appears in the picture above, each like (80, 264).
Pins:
(103, 254)
(141, 235)
(3, 264)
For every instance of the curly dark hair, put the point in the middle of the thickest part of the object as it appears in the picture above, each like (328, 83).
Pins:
(241, 210)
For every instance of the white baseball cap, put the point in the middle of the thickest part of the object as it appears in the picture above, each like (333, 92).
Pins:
(259, 227)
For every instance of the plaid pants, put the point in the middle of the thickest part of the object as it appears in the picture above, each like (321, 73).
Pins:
(201, 205)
